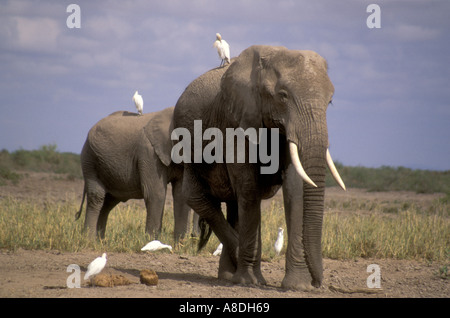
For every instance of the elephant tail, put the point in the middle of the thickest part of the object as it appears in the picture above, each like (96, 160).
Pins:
(78, 214)
(205, 233)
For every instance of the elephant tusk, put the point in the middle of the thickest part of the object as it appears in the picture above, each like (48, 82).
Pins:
(334, 171)
(293, 149)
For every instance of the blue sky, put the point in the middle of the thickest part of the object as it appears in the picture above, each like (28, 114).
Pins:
(392, 100)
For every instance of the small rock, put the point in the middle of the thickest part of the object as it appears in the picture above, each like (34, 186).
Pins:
(149, 277)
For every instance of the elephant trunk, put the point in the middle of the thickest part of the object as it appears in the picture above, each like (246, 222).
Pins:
(312, 142)
(313, 207)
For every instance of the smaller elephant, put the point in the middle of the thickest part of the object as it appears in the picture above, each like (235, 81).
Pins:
(127, 156)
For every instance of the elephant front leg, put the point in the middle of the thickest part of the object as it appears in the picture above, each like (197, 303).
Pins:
(180, 212)
(154, 191)
(155, 208)
(249, 259)
(297, 274)
(227, 268)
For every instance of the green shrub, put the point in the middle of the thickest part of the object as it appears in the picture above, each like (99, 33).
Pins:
(45, 159)
(393, 179)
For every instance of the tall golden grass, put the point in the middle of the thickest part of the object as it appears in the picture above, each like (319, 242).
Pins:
(403, 232)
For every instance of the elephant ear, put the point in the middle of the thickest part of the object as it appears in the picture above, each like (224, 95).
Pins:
(158, 131)
(240, 86)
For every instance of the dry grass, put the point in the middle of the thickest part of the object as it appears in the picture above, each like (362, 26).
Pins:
(402, 231)
(352, 227)
(409, 235)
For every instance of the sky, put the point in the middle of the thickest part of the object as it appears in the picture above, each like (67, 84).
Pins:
(392, 84)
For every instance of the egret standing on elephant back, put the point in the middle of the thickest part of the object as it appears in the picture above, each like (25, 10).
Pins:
(139, 102)
(223, 49)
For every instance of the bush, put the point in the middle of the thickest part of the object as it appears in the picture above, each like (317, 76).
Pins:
(45, 159)
(7, 174)
(393, 179)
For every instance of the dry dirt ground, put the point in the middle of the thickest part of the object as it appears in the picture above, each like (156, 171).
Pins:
(42, 274)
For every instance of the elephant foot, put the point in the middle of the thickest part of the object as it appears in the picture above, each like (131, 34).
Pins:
(249, 276)
(226, 275)
(227, 268)
(297, 281)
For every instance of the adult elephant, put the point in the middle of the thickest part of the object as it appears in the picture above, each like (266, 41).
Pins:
(265, 87)
(127, 156)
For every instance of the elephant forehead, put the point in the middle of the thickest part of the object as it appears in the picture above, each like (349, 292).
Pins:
(313, 60)
(305, 64)
(308, 54)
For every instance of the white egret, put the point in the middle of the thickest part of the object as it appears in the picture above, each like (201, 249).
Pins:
(95, 267)
(279, 242)
(139, 102)
(218, 251)
(223, 49)
(155, 246)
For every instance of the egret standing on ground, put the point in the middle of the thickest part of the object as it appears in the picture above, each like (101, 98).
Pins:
(223, 49)
(95, 267)
(139, 102)
(218, 251)
(279, 242)
(155, 245)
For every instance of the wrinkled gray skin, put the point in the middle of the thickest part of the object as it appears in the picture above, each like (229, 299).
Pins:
(264, 87)
(127, 156)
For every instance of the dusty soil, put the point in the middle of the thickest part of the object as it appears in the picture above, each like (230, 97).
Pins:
(43, 274)
(25, 273)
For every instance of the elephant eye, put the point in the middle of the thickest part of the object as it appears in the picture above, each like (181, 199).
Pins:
(283, 94)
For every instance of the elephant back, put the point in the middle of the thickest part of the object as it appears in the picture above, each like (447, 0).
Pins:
(117, 134)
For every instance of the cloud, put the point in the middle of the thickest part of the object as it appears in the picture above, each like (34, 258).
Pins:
(109, 26)
(414, 33)
(30, 34)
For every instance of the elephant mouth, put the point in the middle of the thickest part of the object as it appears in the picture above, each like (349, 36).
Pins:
(295, 158)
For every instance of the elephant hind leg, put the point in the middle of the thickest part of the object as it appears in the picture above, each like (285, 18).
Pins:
(95, 199)
(108, 204)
